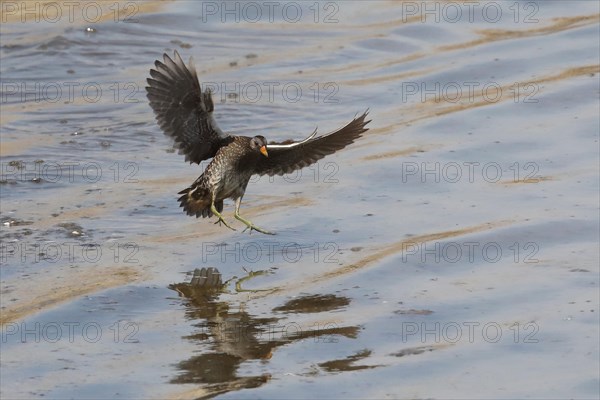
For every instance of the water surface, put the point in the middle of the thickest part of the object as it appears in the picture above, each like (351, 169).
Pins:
(450, 253)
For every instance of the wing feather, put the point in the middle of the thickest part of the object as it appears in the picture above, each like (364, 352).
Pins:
(286, 158)
(183, 111)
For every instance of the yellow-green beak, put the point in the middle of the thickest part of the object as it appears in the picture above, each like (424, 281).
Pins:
(263, 150)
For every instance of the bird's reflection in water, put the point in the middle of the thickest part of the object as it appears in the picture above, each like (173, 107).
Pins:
(231, 336)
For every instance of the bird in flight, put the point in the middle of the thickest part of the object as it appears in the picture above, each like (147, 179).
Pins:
(185, 113)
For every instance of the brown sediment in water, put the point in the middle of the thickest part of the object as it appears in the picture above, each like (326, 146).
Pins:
(487, 36)
(480, 100)
(65, 284)
(402, 245)
(51, 291)
(19, 146)
(393, 154)
(388, 78)
(433, 108)
(558, 25)
(537, 179)
(378, 254)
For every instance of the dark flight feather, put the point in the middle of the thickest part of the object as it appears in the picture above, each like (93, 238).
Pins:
(183, 110)
(288, 157)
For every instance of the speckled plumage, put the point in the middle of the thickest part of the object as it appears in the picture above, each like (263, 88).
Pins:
(226, 177)
(184, 112)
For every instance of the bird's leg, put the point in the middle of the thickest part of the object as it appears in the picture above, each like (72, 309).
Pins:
(251, 274)
(218, 214)
(249, 225)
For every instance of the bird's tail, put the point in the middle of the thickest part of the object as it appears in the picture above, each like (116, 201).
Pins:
(195, 200)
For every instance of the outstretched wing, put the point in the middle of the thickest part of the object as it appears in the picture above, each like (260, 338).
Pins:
(182, 110)
(285, 158)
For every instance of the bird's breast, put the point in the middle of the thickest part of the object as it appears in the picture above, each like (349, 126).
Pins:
(227, 178)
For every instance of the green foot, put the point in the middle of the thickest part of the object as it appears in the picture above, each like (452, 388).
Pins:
(221, 219)
(251, 226)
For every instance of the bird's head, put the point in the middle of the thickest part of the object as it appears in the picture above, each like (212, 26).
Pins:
(259, 143)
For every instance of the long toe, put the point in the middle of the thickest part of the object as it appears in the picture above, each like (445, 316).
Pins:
(252, 227)
(225, 223)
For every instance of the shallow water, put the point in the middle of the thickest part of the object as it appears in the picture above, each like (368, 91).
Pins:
(450, 253)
